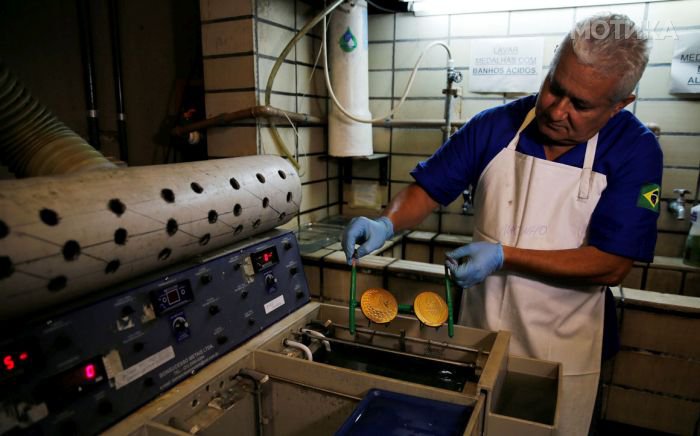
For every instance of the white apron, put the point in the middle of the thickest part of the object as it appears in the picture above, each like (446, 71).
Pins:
(526, 202)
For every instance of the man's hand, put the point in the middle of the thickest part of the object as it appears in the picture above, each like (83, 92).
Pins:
(485, 258)
(371, 234)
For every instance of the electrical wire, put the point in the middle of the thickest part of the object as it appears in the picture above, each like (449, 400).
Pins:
(296, 152)
(405, 93)
(308, 87)
(275, 68)
(318, 57)
(279, 142)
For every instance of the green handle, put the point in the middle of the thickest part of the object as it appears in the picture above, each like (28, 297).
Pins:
(405, 308)
(448, 299)
(352, 304)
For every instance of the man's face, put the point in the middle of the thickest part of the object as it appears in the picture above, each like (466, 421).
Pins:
(576, 101)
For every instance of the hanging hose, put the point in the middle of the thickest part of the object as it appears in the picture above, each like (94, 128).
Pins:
(280, 59)
(405, 92)
(33, 142)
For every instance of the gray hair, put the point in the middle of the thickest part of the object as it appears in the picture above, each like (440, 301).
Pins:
(613, 45)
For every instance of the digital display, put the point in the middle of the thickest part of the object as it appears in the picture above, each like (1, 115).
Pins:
(75, 382)
(174, 296)
(11, 361)
(17, 359)
(264, 259)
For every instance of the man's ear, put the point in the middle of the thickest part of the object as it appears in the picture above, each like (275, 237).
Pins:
(622, 103)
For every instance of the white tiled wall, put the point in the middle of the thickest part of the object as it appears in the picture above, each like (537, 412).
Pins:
(232, 30)
(396, 41)
(241, 41)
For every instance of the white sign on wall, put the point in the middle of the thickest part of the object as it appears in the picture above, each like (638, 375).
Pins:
(685, 66)
(506, 65)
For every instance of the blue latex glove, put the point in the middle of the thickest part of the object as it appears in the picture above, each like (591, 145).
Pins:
(370, 234)
(485, 258)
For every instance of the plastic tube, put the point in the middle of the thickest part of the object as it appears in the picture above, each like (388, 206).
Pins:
(314, 333)
(300, 346)
(275, 68)
(33, 142)
(304, 30)
(405, 92)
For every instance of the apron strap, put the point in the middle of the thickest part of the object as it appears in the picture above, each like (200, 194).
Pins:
(584, 187)
(528, 119)
(587, 170)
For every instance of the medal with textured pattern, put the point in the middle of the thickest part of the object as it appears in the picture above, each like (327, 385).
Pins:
(379, 305)
(430, 309)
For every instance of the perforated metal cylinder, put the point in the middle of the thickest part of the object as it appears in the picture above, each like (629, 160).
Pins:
(62, 237)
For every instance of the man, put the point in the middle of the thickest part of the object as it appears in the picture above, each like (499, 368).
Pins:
(567, 193)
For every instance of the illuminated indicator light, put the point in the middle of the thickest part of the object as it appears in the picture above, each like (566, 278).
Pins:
(173, 296)
(9, 363)
(24, 356)
(90, 372)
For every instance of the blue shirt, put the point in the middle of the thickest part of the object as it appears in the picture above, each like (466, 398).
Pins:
(628, 154)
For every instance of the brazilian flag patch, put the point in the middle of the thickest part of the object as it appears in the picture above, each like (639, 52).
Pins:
(649, 197)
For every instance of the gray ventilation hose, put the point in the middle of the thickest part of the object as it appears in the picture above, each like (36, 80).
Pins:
(33, 142)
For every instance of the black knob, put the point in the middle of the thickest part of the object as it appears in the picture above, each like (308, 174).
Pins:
(148, 382)
(293, 271)
(287, 245)
(105, 407)
(221, 340)
(244, 294)
(180, 324)
(251, 321)
(271, 283)
(206, 279)
(214, 309)
(300, 295)
(138, 346)
(127, 311)
(236, 266)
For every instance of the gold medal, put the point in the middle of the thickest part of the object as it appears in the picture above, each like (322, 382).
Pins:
(379, 305)
(430, 308)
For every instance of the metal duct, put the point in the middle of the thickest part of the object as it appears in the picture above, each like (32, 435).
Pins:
(32, 140)
(62, 237)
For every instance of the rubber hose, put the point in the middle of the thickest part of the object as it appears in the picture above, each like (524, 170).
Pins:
(33, 142)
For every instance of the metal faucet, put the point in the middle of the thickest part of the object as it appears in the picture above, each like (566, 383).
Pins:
(677, 206)
(453, 76)
(468, 198)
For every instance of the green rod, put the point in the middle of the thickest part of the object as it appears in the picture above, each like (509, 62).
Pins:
(405, 308)
(448, 299)
(352, 303)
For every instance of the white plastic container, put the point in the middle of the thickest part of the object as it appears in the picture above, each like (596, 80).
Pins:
(348, 49)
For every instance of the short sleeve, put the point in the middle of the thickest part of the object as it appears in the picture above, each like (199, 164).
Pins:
(624, 221)
(450, 169)
(461, 160)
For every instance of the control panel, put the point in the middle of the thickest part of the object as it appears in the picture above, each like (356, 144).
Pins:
(81, 371)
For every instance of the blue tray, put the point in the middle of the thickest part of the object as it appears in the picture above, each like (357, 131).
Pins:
(391, 414)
